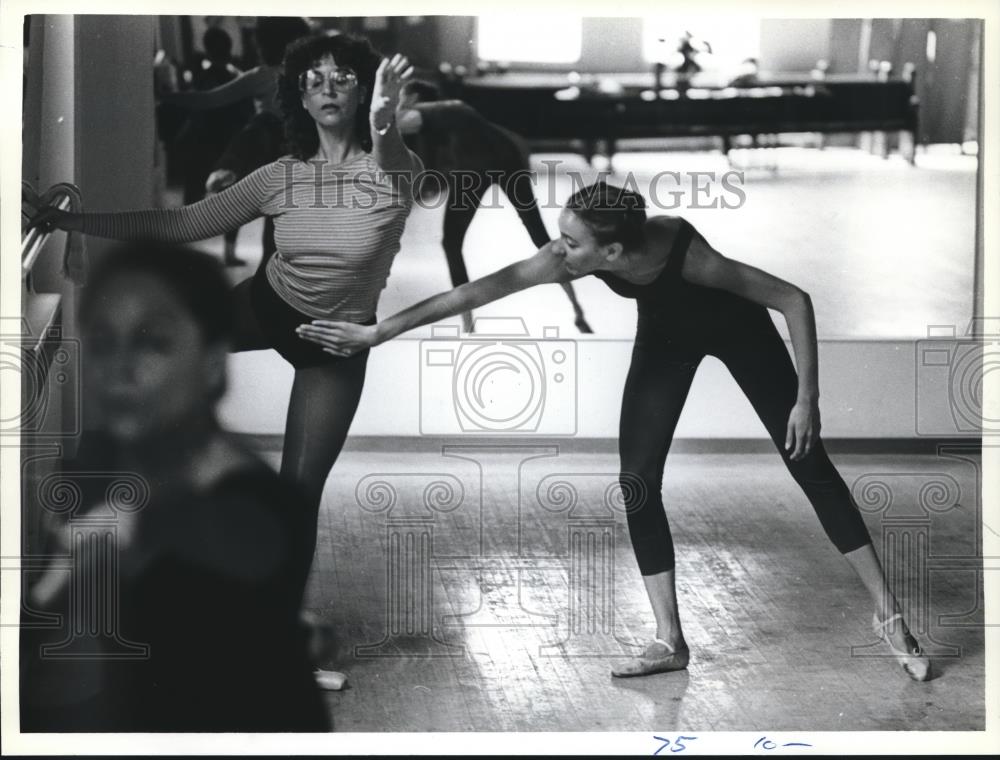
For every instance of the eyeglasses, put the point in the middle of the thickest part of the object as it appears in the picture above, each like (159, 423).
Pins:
(315, 80)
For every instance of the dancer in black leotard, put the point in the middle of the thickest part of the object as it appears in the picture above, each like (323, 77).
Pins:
(692, 302)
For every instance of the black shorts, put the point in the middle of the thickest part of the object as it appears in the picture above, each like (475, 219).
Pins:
(277, 320)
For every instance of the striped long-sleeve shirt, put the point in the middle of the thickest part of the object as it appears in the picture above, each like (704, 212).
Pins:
(336, 227)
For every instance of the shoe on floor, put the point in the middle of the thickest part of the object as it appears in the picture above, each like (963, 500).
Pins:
(659, 657)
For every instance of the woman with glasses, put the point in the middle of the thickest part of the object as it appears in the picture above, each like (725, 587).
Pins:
(339, 203)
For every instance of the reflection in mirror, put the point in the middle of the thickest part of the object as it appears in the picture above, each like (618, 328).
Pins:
(828, 152)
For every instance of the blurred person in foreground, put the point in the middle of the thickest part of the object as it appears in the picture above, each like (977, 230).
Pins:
(210, 561)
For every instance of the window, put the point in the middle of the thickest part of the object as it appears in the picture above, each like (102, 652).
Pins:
(533, 39)
(732, 39)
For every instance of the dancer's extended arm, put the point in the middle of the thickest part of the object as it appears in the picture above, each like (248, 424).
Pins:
(346, 338)
(258, 82)
(213, 216)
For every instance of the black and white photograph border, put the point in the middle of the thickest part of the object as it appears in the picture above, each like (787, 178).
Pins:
(485, 574)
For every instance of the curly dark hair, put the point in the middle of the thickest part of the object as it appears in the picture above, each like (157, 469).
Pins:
(347, 50)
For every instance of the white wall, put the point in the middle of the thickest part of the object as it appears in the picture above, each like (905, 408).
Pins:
(793, 44)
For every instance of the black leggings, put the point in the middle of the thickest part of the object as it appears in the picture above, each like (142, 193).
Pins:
(325, 393)
(658, 383)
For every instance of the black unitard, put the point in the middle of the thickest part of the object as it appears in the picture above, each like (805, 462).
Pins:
(679, 324)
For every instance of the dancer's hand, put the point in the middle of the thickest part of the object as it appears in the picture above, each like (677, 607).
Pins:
(389, 79)
(803, 429)
(339, 338)
(219, 180)
(51, 218)
(55, 580)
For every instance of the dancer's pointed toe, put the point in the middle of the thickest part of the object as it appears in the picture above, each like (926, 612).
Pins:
(913, 660)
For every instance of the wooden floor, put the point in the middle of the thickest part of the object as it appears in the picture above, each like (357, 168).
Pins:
(491, 589)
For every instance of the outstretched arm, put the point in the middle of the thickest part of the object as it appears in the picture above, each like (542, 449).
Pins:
(706, 266)
(213, 216)
(346, 338)
(255, 83)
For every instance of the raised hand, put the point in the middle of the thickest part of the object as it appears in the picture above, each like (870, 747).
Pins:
(389, 79)
(339, 338)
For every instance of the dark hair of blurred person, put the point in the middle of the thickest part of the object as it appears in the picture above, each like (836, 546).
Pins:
(218, 45)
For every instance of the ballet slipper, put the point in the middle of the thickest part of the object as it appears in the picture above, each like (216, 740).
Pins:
(329, 680)
(916, 664)
(659, 657)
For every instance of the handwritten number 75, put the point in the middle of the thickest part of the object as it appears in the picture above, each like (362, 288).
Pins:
(679, 745)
